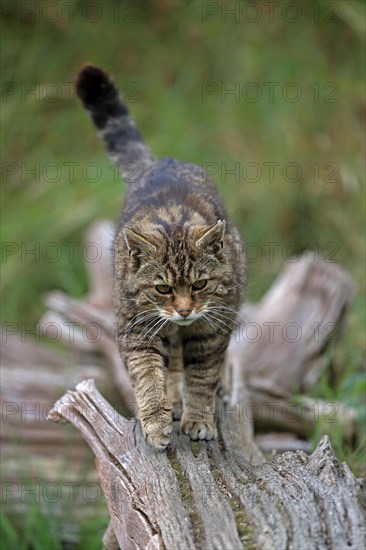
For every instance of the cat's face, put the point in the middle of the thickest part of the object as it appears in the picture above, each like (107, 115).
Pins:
(180, 278)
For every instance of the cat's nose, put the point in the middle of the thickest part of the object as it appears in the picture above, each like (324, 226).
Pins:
(184, 312)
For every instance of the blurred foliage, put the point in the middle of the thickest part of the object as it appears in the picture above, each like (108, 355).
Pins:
(166, 55)
(42, 532)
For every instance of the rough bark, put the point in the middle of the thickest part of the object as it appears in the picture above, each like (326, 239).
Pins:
(219, 494)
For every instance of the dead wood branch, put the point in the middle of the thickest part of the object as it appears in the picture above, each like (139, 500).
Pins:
(210, 495)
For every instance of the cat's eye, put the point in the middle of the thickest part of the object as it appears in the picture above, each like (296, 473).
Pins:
(198, 285)
(163, 289)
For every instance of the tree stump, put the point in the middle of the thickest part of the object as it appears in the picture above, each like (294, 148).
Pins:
(214, 495)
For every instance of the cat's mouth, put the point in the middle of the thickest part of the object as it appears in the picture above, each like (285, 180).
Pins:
(185, 321)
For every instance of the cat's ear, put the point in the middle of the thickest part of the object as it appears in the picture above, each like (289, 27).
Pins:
(212, 235)
(137, 243)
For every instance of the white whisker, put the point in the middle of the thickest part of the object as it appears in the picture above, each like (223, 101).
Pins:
(150, 327)
(218, 313)
(212, 322)
(220, 310)
(222, 323)
(165, 321)
(240, 283)
(230, 309)
(146, 330)
(145, 315)
(157, 324)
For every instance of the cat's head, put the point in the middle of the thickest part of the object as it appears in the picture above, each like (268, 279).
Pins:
(180, 274)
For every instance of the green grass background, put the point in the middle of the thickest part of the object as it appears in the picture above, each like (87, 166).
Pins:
(168, 51)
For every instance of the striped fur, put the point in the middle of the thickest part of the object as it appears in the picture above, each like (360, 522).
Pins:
(173, 231)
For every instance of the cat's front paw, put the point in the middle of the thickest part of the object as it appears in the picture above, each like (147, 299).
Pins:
(157, 430)
(199, 429)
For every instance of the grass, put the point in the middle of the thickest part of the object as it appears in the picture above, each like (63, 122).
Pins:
(172, 54)
(43, 531)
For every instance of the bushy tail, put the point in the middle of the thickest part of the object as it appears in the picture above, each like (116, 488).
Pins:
(115, 126)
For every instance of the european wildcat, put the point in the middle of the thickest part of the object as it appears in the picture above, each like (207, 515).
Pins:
(177, 278)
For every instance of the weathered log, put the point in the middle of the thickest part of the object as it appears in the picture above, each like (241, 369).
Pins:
(282, 341)
(214, 495)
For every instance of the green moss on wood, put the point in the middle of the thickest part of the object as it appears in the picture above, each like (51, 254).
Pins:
(187, 498)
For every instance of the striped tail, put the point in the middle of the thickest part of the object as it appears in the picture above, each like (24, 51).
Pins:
(115, 126)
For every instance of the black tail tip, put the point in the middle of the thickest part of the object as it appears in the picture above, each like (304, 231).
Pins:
(94, 85)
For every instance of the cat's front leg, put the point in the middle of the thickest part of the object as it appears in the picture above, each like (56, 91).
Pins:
(146, 368)
(203, 358)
